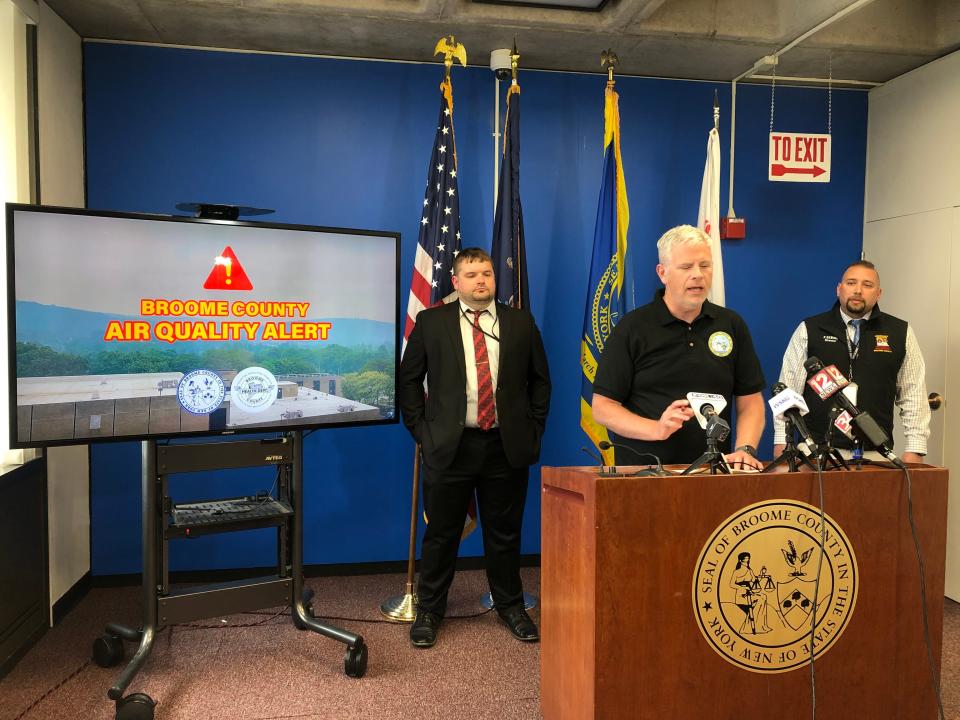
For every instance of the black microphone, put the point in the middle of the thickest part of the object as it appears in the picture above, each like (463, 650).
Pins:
(593, 455)
(827, 382)
(603, 470)
(789, 404)
(606, 445)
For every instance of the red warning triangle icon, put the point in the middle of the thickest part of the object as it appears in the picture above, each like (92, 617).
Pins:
(227, 273)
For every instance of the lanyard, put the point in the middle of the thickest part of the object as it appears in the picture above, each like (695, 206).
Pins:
(852, 350)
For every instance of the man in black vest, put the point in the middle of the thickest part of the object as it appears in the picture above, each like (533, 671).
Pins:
(877, 351)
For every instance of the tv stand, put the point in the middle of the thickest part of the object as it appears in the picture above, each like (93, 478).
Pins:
(164, 521)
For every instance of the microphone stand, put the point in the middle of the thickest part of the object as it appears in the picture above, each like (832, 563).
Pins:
(858, 453)
(830, 458)
(790, 455)
(712, 458)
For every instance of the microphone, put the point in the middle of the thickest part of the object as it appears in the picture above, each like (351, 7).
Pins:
(707, 407)
(864, 426)
(593, 455)
(606, 445)
(790, 404)
(827, 382)
(604, 470)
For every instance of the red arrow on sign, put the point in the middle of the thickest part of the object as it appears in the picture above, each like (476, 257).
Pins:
(781, 170)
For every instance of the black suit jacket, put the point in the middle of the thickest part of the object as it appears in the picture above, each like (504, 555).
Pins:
(435, 351)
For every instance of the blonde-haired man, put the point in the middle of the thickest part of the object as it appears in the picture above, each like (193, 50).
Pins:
(679, 343)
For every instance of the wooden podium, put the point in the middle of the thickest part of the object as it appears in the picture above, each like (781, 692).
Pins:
(620, 635)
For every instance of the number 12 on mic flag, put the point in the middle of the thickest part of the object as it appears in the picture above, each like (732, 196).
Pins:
(827, 382)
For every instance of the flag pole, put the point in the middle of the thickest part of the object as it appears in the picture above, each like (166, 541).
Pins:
(403, 608)
(609, 289)
(521, 251)
(517, 252)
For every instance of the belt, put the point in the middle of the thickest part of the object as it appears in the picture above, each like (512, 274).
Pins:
(481, 431)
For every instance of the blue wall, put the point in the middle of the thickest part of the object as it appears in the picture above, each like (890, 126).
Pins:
(346, 143)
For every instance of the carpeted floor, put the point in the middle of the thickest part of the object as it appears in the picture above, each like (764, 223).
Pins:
(272, 670)
(258, 667)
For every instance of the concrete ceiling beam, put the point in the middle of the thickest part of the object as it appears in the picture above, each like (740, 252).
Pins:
(705, 39)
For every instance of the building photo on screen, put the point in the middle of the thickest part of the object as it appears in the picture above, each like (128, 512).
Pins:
(130, 326)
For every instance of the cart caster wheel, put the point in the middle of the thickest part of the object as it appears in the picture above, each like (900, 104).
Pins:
(107, 650)
(355, 661)
(138, 706)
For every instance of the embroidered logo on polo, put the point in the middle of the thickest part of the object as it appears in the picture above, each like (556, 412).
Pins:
(720, 344)
(755, 588)
(883, 344)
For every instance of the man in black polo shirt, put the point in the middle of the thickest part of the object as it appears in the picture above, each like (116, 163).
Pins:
(679, 343)
(877, 351)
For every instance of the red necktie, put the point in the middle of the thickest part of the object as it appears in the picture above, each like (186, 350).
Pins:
(486, 408)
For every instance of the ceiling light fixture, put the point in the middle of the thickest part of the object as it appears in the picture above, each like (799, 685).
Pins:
(550, 4)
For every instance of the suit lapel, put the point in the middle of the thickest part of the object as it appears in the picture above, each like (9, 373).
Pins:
(452, 321)
(504, 326)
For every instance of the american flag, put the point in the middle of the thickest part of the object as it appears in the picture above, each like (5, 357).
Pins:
(439, 241)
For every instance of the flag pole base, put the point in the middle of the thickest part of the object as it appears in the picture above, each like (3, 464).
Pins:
(400, 608)
(529, 601)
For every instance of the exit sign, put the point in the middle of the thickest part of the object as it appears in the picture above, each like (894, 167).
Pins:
(799, 157)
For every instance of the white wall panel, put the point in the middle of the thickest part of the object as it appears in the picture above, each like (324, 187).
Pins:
(913, 148)
(912, 231)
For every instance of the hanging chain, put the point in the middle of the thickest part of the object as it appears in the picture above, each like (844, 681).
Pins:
(830, 97)
(773, 92)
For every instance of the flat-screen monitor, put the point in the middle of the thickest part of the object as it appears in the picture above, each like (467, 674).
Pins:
(128, 326)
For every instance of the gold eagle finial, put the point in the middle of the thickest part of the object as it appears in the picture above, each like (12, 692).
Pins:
(609, 60)
(451, 50)
(514, 62)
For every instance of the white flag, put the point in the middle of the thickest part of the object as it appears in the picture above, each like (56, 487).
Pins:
(708, 218)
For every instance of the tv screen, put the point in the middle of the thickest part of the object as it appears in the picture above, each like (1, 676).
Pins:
(126, 326)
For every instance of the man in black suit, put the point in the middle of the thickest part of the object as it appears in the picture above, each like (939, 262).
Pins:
(479, 425)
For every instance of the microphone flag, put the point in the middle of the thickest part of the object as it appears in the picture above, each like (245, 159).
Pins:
(786, 399)
(708, 216)
(844, 423)
(609, 294)
(698, 401)
(826, 381)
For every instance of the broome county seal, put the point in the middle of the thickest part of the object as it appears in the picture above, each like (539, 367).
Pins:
(200, 392)
(761, 581)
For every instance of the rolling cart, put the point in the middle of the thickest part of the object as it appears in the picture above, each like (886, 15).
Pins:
(164, 520)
